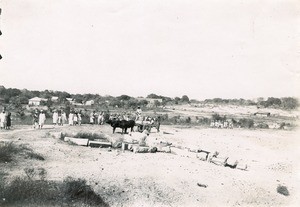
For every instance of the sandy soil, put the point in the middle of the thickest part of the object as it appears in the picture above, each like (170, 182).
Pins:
(167, 179)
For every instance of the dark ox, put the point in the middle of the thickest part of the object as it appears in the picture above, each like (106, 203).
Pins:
(123, 124)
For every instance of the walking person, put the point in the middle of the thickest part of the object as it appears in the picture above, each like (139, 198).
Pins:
(42, 119)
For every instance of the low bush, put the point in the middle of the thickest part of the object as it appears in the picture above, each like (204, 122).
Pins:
(203, 121)
(7, 150)
(33, 155)
(246, 123)
(27, 192)
(262, 126)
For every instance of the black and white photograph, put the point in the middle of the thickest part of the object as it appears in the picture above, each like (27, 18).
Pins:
(149, 103)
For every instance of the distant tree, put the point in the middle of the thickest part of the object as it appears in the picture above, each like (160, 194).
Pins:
(185, 98)
(143, 103)
(271, 101)
(124, 97)
(289, 103)
(177, 100)
(152, 95)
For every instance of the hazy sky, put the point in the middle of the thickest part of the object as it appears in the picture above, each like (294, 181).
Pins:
(201, 48)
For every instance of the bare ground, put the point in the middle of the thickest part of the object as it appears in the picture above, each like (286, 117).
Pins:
(162, 179)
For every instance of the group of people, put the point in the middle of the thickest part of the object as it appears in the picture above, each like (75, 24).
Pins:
(5, 120)
(39, 119)
(221, 124)
(59, 118)
(97, 118)
(74, 118)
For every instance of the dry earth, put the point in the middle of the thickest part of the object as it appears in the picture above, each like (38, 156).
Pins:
(167, 179)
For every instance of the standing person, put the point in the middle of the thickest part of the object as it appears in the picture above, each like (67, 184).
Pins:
(75, 118)
(8, 121)
(55, 118)
(42, 119)
(59, 118)
(35, 119)
(3, 119)
(138, 113)
(101, 118)
(92, 117)
(63, 117)
(71, 118)
(79, 118)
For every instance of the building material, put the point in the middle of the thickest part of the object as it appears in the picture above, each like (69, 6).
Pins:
(99, 144)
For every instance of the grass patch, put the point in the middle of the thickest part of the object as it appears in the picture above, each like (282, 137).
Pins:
(27, 192)
(8, 150)
(33, 155)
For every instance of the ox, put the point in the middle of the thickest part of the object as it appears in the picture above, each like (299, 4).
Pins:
(123, 124)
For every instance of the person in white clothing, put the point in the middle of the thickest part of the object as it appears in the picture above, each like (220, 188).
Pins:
(63, 117)
(3, 120)
(71, 118)
(42, 119)
(55, 118)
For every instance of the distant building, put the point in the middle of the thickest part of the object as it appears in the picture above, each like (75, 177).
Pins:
(54, 98)
(267, 114)
(36, 101)
(90, 103)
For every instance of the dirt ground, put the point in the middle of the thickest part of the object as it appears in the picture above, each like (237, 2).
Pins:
(169, 179)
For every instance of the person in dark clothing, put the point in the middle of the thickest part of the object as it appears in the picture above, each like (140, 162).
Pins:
(8, 121)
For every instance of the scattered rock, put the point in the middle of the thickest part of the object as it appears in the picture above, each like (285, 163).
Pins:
(202, 185)
(283, 190)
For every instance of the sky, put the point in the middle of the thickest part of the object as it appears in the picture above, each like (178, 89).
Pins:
(203, 49)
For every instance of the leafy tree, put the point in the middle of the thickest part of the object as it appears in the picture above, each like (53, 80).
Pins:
(289, 103)
(124, 97)
(185, 98)
(176, 100)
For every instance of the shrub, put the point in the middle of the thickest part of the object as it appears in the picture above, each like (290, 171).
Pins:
(246, 123)
(282, 125)
(33, 155)
(7, 150)
(263, 126)
(217, 117)
(203, 121)
(27, 192)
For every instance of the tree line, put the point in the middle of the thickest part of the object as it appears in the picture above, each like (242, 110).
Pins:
(18, 97)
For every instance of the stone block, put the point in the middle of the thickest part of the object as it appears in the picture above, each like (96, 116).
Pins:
(99, 144)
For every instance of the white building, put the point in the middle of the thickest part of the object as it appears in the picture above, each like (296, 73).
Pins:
(90, 103)
(36, 101)
(54, 98)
